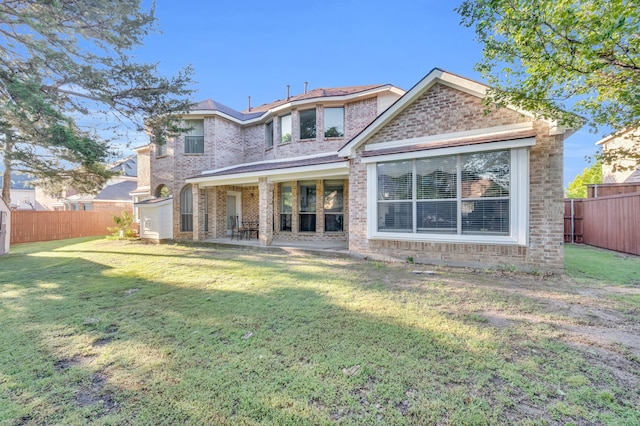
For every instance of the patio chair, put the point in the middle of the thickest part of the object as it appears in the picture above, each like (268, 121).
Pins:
(251, 228)
(237, 230)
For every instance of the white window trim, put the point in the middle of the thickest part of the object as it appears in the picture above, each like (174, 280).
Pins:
(519, 205)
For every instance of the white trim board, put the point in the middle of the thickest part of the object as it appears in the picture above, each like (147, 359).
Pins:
(438, 152)
(518, 209)
(278, 175)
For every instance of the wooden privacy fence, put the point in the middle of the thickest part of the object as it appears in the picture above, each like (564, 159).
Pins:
(31, 226)
(573, 220)
(605, 189)
(610, 222)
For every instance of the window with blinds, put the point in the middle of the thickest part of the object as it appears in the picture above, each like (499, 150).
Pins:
(456, 194)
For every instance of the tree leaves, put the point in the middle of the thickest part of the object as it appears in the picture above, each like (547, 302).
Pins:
(552, 56)
(62, 61)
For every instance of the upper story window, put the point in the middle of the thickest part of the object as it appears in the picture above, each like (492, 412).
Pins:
(333, 122)
(308, 124)
(285, 128)
(194, 138)
(268, 134)
(161, 150)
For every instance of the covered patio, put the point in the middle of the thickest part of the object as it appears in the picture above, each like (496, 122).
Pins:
(299, 203)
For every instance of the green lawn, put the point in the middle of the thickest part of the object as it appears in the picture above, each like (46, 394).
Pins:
(94, 331)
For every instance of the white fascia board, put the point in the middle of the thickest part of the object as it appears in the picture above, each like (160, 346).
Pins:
(275, 161)
(444, 137)
(114, 201)
(319, 170)
(335, 99)
(436, 76)
(202, 113)
(142, 148)
(480, 90)
(349, 150)
(616, 135)
(267, 115)
(437, 152)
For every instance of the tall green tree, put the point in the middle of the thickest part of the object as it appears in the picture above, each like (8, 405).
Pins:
(63, 61)
(577, 188)
(568, 60)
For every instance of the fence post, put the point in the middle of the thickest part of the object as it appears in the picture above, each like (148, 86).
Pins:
(572, 222)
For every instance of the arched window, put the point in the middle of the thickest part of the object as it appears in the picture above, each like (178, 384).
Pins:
(186, 209)
(162, 191)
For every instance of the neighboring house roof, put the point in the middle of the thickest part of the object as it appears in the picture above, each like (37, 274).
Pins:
(634, 177)
(127, 166)
(614, 136)
(18, 181)
(116, 192)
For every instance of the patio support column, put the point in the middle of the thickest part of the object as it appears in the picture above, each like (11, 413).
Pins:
(198, 217)
(265, 190)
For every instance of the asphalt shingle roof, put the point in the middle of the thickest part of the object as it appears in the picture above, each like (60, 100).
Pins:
(117, 191)
(211, 105)
(317, 93)
(266, 166)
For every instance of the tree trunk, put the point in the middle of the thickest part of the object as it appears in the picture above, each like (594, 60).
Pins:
(6, 180)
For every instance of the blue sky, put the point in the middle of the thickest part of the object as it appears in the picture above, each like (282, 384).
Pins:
(255, 48)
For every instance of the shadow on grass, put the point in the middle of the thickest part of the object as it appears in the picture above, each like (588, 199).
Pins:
(235, 350)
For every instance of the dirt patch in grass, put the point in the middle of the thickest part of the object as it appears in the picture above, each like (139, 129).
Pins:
(96, 394)
(78, 360)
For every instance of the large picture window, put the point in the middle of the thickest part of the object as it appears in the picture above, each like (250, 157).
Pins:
(464, 194)
(194, 138)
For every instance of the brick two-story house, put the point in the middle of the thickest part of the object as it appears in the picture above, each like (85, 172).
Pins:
(425, 174)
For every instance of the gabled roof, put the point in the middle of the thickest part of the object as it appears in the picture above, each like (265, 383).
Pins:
(615, 135)
(211, 105)
(126, 166)
(19, 181)
(436, 75)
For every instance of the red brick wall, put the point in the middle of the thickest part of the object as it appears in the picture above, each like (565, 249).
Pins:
(444, 110)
